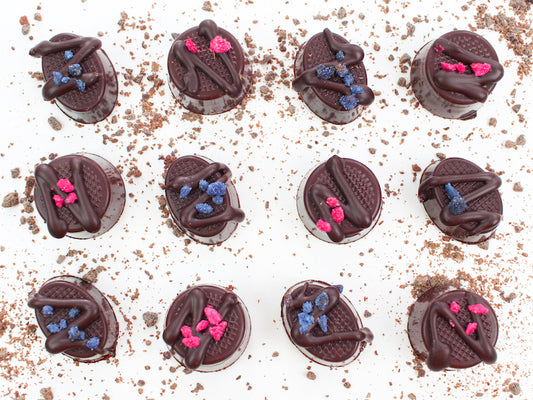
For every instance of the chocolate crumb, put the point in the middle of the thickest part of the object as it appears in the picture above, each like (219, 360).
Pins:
(55, 124)
(15, 173)
(367, 314)
(47, 393)
(207, 6)
(521, 140)
(25, 29)
(199, 386)
(517, 187)
(311, 375)
(37, 17)
(516, 108)
(275, 354)
(61, 258)
(514, 388)
(150, 318)
(492, 121)
(10, 200)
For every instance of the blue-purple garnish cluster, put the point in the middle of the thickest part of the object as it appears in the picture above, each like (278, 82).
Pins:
(457, 204)
(74, 332)
(306, 320)
(216, 190)
(349, 102)
(74, 71)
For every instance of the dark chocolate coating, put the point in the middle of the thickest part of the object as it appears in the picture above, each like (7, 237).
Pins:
(188, 309)
(479, 189)
(207, 82)
(322, 96)
(444, 346)
(345, 337)
(450, 94)
(211, 228)
(98, 186)
(101, 91)
(96, 318)
(358, 191)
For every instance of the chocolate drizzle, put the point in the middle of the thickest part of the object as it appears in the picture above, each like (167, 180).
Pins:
(193, 307)
(308, 339)
(472, 221)
(354, 211)
(467, 84)
(85, 45)
(439, 356)
(191, 61)
(353, 54)
(82, 210)
(188, 215)
(60, 342)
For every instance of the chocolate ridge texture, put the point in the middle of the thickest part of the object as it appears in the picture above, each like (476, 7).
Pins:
(210, 352)
(325, 96)
(344, 336)
(478, 188)
(94, 317)
(455, 93)
(79, 75)
(453, 329)
(203, 80)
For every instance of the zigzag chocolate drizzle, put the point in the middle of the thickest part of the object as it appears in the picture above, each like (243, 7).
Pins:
(191, 61)
(86, 46)
(194, 307)
(353, 54)
(439, 356)
(308, 339)
(60, 342)
(467, 84)
(82, 210)
(188, 214)
(353, 209)
(473, 222)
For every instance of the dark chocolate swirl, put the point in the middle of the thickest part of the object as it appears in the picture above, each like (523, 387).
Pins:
(86, 46)
(82, 210)
(353, 54)
(193, 307)
(439, 356)
(471, 221)
(467, 84)
(191, 80)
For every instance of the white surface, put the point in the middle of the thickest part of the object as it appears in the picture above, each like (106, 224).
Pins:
(271, 250)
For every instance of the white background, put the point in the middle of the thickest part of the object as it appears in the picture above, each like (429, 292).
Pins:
(271, 250)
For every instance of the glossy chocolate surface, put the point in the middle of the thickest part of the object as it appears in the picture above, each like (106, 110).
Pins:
(439, 335)
(100, 195)
(207, 82)
(478, 187)
(345, 337)
(357, 190)
(95, 318)
(210, 228)
(323, 96)
(99, 97)
(188, 310)
(450, 94)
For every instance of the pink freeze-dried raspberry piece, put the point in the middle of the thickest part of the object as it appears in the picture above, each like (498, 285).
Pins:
(471, 328)
(478, 309)
(218, 330)
(71, 198)
(191, 342)
(452, 324)
(461, 68)
(200, 326)
(323, 225)
(186, 331)
(219, 45)
(448, 66)
(333, 202)
(58, 200)
(337, 214)
(191, 46)
(212, 315)
(65, 185)
(439, 49)
(454, 307)
(480, 69)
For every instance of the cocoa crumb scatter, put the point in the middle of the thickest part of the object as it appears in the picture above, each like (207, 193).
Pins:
(493, 121)
(47, 393)
(10, 200)
(15, 173)
(150, 318)
(198, 387)
(37, 17)
(517, 187)
(311, 375)
(207, 6)
(55, 124)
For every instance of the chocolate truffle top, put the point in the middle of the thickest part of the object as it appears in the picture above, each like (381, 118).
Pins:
(207, 325)
(76, 319)
(323, 323)
(463, 67)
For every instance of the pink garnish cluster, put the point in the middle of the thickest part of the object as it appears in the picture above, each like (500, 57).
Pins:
(474, 309)
(216, 329)
(439, 49)
(337, 214)
(217, 45)
(479, 69)
(471, 328)
(66, 186)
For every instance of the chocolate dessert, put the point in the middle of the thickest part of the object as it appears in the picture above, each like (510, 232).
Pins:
(207, 328)
(79, 76)
(453, 75)
(453, 329)
(462, 199)
(202, 199)
(331, 78)
(323, 324)
(339, 201)
(208, 72)
(80, 195)
(76, 319)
